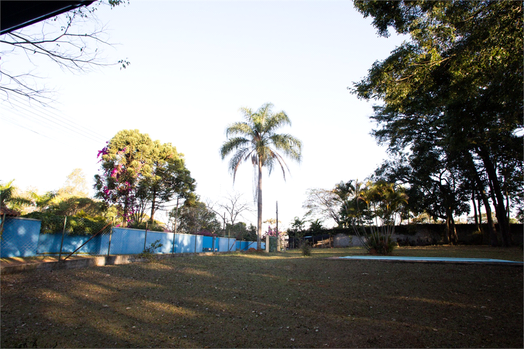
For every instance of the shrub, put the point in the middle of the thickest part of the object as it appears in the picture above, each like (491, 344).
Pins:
(149, 252)
(54, 224)
(377, 243)
(306, 249)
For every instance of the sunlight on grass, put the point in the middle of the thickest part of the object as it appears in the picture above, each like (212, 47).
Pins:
(433, 302)
(195, 272)
(169, 309)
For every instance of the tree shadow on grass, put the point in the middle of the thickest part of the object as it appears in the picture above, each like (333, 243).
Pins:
(238, 301)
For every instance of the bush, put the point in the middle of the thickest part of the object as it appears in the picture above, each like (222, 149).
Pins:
(54, 224)
(156, 226)
(380, 244)
(306, 249)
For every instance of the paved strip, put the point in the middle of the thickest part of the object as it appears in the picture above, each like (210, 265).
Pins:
(433, 259)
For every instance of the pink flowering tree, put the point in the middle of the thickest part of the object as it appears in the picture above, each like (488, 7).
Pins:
(124, 162)
(138, 175)
(272, 232)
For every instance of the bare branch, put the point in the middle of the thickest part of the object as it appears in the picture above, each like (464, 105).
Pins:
(57, 41)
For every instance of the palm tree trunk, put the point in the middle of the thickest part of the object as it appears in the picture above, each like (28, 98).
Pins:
(259, 207)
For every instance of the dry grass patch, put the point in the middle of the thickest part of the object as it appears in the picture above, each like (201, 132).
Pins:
(278, 300)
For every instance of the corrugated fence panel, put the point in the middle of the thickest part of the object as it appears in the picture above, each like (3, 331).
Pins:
(127, 241)
(166, 239)
(225, 244)
(199, 243)
(208, 244)
(184, 243)
(50, 244)
(20, 237)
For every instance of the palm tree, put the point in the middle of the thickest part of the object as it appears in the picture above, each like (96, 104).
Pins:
(255, 139)
(9, 199)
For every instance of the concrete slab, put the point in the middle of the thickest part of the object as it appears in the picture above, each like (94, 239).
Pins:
(433, 260)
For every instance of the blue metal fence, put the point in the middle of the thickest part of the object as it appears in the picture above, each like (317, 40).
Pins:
(22, 238)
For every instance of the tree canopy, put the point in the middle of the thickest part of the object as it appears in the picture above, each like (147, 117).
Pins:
(137, 173)
(453, 91)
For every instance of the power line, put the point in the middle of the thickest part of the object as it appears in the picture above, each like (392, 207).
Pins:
(50, 119)
(24, 127)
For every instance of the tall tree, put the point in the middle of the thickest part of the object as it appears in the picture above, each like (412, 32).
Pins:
(323, 204)
(138, 173)
(75, 184)
(457, 83)
(124, 162)
(197, 218)
(169, 178)
(256, 140)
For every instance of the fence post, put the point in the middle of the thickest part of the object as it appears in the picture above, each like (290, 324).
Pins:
(62, 242)
(110, 236)
(145, 238)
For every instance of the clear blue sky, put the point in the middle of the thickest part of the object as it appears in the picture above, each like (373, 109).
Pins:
(193, 65)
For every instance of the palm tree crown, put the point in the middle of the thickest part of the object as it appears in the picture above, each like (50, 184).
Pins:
(255, 139)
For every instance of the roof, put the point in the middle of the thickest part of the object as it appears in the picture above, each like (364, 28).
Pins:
(18, 14)
(8, 212)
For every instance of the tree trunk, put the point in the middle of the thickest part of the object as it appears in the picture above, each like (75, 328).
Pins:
(481, 187)
(153, 208)
(259, 207)
(450, 227)
(498, 197)
(475, 214)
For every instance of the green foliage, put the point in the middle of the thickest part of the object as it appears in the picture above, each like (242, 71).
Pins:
(194, 217)
(137, 173)
(75, 185)
(152, 248)
(54, 224)
(77, 206)
(379, 243)
(149, 251)
(297, 229)
(452, 100)
(153, 226)
(306, 249)
(315, 226)
(9, 198)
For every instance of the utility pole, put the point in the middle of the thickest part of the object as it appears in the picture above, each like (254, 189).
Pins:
(278, 234)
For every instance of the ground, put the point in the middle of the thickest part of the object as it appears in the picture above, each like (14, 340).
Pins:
(276, 300)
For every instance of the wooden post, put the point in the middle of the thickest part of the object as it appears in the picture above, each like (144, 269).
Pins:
(110, 237)
(62, 242)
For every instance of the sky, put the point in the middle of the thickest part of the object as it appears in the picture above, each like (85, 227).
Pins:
(193, 65)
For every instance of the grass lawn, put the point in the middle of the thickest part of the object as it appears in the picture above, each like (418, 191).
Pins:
(275, 300)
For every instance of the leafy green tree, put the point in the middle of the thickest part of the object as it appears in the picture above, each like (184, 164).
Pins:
(170, 178)
(125, 161)
(78, 206)
(256, 140)
(315, 227)
(196, 217)
(455, 86)
(75, 185)
(384, 201)
(352, 209)
(138, 173)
